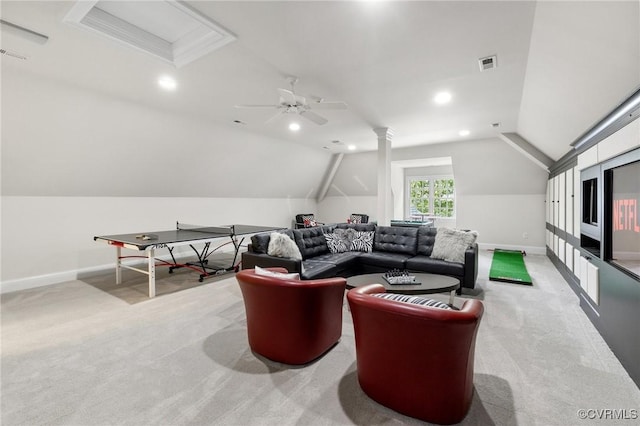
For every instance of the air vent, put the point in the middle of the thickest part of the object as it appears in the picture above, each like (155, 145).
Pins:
(488, 62)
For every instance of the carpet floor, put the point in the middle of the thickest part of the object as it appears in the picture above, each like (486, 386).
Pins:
(78, 354)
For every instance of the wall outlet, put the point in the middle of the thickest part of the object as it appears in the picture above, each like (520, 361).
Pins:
(525, 235)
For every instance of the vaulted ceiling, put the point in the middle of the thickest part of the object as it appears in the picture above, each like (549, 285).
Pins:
(561, 66)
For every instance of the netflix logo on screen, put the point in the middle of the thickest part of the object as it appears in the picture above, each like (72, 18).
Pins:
(625, 215)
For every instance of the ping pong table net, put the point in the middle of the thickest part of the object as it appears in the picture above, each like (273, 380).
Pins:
(222, 230)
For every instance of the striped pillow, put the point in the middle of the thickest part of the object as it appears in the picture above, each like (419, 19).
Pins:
(412, 299)
(362, 241)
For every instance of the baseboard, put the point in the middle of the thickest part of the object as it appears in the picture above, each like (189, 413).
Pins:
(48, 279)
(26, 283)
(526, 249)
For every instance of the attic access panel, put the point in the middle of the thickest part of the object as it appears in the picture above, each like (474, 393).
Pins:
(168, 29)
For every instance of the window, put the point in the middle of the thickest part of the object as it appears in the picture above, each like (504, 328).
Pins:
(430, 196)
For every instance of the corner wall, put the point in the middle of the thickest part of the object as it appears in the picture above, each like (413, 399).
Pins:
(46, 240)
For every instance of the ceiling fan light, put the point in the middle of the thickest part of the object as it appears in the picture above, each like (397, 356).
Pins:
(464, 133)
(167, 83)
(442, 98)
(294, 127)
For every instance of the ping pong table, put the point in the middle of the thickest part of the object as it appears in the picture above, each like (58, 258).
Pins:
(183, 235)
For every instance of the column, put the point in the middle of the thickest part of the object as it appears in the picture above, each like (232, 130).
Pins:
(385, 200)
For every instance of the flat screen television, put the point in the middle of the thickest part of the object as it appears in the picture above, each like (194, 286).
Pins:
(622, 201)
(590, 214)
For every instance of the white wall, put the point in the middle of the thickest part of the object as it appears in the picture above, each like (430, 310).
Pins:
(499, 192)
(76, 164)
(59, 140)
(50, 239)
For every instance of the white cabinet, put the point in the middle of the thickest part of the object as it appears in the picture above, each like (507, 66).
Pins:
(568, 256)
(589, 279)
(560, 200)
(556, 190)
(576, 202)
(576, 263)
(569, 201)
(561, 247)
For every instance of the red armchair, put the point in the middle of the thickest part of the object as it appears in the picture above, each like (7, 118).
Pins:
(292, 321)
(414, 359)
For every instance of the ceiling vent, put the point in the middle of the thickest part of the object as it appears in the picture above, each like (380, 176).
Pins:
(488, 62)
(168, 29)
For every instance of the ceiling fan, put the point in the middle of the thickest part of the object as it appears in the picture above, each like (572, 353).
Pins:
(291, 103)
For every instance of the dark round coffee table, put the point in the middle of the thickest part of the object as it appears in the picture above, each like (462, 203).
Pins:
(429, 283)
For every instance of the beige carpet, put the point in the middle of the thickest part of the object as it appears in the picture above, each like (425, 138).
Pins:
(73, 354)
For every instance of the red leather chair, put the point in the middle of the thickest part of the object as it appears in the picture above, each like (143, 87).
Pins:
(292, 321)
(414, 359)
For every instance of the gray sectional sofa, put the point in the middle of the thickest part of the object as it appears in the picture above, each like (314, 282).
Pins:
(392, 248)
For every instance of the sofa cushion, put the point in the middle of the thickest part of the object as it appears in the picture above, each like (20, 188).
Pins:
(384, 260)
(336, 243)
(395, 239)
(426, 239)
(451, 244)
(313, 269)
(281, 245)
(341, 259)
(415, 300)
(362, 227)
(260, 242)
(311, 241)
(362, 241)
(428, 264)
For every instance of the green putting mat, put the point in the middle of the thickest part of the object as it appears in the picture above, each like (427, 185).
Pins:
(508, 266)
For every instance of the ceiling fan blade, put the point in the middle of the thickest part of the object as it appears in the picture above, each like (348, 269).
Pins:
(312, 116)
(257, 106)
(329, 105)
(278, 114)
(287, 96)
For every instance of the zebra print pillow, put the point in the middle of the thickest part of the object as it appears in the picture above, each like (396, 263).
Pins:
(362, 241)
(412, 299)
(335, 243)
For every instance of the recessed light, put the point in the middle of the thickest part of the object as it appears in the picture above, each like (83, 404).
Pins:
(351, 147)
(167, 83)
(464, 133)
(294, 127)
(442, 98)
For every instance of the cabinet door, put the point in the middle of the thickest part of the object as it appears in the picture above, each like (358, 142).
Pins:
(548, 202)
(576, 202)
(593, 282)
(561, 247)
(569, 256)
(583, 273)
(556, 190)
(569, 201)
(561, 201)
(576, 263)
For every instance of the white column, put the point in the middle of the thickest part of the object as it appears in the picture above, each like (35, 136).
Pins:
(385, 199)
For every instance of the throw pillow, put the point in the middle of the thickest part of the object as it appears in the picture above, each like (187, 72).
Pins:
(335, 243)
(362, 241)
(280, 275)
(281, 245)
(355, 218)
(451, 244)
(412, 299)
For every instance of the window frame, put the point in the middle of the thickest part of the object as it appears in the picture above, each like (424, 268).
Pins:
(431, 179)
